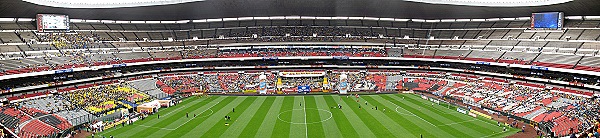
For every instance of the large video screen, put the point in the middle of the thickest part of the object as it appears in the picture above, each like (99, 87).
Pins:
(547, 20)
(52, 22)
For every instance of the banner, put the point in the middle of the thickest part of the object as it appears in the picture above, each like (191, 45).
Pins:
(460, 110)
(343, 86)
(326, 86)
(434, 100)
(63, 71)
(262, 84)
(480, 114)
(303, 89)
(119, 65)
(472, 114)
(301, 74)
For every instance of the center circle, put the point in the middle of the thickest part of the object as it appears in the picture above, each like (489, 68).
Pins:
(302, 123)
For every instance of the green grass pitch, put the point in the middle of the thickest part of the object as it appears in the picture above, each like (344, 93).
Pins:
(405, 115)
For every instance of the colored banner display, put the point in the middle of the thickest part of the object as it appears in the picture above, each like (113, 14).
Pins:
(472, 114)
(343, 86)
(460, 110)
(301, 74)
(119, 65)
(482, 63)
(262, 84)
(480, 114)
(539, 68)
(303, 89)
(63, 71)
(341, 57)
(270, 58)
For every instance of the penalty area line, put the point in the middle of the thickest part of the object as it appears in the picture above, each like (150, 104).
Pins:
(412, 113)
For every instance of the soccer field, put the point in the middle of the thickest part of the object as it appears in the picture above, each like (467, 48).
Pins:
(310, 116)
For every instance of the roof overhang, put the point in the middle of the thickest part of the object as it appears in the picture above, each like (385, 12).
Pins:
(495, 3)
(105, 3)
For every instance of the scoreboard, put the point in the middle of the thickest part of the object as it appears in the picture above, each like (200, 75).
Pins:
(52, 22)
(547, 20)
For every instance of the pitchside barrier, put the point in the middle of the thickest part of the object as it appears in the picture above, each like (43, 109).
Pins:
(493, 111)
(297, 94)
(480, 114)
(446, 104)
(468, 110)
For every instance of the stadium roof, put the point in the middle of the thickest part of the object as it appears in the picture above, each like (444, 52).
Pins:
(248, 8)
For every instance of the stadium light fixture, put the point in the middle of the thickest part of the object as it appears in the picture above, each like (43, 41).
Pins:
(182, 21)
(155, 22)
(386, 19)
(7, 19)
(76, 20)
(138, 22)
(592, 17)
(105, 3)
(307, 17)
(25, 19)
(463, 20)
(523, 18)
(230, 19)
(574, 17)
(107, 21)
(292, 17)
(245, 18)
(494, 3)
(214, 20)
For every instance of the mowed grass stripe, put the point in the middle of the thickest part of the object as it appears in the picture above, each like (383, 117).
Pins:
(372, 123)
(481, 130)
(411, 123)
(186, 128)
(406, 124)
(437, 116)
(244, 119)
(345, 128)
(219, 127)
(452, 131)
(379, 116)
(257, 118)
(298, 128)
(147, 128)
(361, 128)
(132, 129)
(282, 129)
(182, 123)
(179, 119)
(313, 116)
(329, 126)
(441, 118)
(484, 128)
(268, 123)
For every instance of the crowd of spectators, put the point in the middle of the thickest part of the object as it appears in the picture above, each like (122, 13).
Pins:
(529, 101)
(287, 52)
(219, 82)
(55, 111)
(312, 82)
(239, 82)
(362, 81)
(49, 104)
(305, 31)
(70, 41)
(104, 98)
(588, 109)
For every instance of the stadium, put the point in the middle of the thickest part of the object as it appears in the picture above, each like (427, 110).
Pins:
(311, 68)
